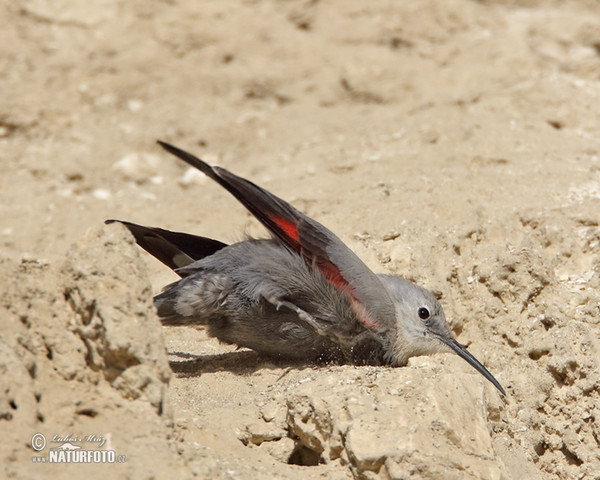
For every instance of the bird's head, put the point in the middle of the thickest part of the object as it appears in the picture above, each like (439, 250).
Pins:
(421, 326)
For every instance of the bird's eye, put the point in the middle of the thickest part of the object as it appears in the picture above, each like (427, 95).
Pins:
(423, 313)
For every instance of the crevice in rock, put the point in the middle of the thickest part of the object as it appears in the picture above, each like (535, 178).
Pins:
(540, 448)
(571, 458)
(510, 342)
(537, 353)
(304, 456)
(88, 412)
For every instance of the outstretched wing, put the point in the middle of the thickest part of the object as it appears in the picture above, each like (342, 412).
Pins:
(174, 249)
(320, 247)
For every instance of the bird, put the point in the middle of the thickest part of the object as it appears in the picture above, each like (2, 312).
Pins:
(301, 294)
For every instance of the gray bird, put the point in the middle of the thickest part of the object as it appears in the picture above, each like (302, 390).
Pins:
(302, 294)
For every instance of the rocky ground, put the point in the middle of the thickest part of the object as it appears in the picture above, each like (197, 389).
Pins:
(454, 143)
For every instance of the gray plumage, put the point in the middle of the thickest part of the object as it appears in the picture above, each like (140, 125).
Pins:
(302, 294)
(246, 295)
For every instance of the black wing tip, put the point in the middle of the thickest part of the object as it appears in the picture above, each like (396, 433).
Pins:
(164, 145)
(189, 159)
(111, 220)
(172, 149)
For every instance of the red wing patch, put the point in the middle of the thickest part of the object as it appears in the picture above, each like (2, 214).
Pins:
(362, 314)
(333, 276)
(290, 228)
(328, 269)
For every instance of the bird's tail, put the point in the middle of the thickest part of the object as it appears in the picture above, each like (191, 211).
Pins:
(174, 249)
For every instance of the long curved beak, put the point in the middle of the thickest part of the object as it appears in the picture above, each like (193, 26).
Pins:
(471, 360)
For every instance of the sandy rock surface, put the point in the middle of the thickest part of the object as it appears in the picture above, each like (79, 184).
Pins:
(453, 143)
